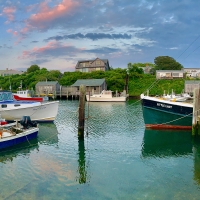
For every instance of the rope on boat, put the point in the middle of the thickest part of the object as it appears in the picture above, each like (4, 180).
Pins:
(180, 118)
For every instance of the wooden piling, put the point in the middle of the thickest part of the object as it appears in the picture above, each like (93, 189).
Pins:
(60, 92)
(81, 162)
(81, 111)
(196, 112)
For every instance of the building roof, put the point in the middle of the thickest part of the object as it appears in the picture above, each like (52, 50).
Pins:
(47, 83)
(10, 72)
(88, 82)
(192, 68)
(192, 82)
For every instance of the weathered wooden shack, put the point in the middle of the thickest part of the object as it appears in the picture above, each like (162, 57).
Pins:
(190, 85)
(94, 86)
(47, 88)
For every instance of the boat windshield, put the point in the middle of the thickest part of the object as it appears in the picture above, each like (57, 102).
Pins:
(6, 96)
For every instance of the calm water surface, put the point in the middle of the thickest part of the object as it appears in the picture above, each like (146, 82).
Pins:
(118, 159)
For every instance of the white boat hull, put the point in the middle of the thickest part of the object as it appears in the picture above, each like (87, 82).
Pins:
(45, 112)
(106, 99)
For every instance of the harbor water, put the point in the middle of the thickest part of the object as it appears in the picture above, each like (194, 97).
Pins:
(118, 159)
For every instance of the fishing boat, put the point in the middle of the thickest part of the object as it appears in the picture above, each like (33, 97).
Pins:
(16, 133)
(162, 113)
(10, 109)
(105, 96)
(25, 95)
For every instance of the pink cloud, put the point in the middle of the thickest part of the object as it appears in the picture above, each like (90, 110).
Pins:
(51, 49)
(46, 15)
(38, 50)
(9, 12)
(14, 33)
(9, 31)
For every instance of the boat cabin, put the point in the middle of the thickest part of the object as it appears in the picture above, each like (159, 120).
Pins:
(24, 93)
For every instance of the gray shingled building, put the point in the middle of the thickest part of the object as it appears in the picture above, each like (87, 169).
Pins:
(95, 86)
(47, 88)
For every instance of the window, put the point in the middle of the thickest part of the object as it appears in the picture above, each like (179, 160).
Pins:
(175, 74)
(85, 70)
(17, 105)
(94, 88)
(4, 105)
(98, 62)
(5, 96)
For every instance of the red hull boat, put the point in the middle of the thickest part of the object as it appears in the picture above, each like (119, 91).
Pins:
(17, 98)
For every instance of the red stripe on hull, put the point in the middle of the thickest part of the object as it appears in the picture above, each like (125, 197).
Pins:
(40, 99)
(165, 126)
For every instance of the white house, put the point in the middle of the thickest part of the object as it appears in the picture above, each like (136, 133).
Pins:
(192, 72)
(169, 74)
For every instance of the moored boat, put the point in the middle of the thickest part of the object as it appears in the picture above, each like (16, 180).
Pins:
(13, 134)
(160, 113)
(25, 95)
(11, 109)
(105, 96)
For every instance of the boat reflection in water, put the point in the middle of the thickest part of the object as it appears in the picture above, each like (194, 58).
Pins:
(109, 107)
(163, 143)
(47, 135)
(179, 144)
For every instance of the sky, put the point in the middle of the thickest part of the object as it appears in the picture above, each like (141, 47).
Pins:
(56, 34)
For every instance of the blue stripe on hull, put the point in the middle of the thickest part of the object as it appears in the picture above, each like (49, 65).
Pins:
(19, 140)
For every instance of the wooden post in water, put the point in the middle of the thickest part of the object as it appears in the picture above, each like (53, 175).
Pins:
(196, 112)
(60, 91)
(81, 122)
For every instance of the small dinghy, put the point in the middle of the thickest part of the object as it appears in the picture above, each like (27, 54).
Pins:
(17, 132)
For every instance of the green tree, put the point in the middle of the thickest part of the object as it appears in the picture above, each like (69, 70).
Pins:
(153, 71)
(133, 68)
(54, 75)
(33, 68)
(167, 63)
